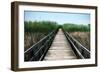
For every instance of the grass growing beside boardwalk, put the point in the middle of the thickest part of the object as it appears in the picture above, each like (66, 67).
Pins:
(75, 27)
(83, 38)
(80, 32)
(40, 26)
(34, 31)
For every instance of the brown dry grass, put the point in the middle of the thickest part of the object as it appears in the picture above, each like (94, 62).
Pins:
(31, 38)
(83, 38)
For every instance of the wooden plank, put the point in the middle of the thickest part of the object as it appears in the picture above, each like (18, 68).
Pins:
(60, 48)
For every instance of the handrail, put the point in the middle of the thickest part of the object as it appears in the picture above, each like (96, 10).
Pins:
(37, 51)
(38, 42)
(78, 48)
(78, 42)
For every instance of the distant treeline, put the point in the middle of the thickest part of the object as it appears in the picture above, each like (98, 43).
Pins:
(75, 27)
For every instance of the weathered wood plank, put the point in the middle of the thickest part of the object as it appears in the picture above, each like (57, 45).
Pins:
(60, 48)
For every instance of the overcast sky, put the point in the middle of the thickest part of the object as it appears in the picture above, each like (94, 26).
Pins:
(58, 17)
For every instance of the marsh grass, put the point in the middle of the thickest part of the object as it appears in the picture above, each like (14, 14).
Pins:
(80, 32)
(83, 38)
(34, 31)
(40, 26)
(76, 27)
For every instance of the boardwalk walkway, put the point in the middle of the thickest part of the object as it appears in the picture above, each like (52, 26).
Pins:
(60, 48)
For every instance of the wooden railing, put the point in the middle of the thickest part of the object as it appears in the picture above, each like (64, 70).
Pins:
(80, 51)
(39, 50)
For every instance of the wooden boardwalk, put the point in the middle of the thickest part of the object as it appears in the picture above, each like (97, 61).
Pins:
(60, 48)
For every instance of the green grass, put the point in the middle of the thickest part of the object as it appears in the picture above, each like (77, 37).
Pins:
(48, 26)
(35, 31)
(40, 26)
(75, 27)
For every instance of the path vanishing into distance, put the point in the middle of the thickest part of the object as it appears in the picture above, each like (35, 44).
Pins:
(60, 48)
(58, 45)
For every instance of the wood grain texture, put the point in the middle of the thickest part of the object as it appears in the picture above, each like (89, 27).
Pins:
(60, 48)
